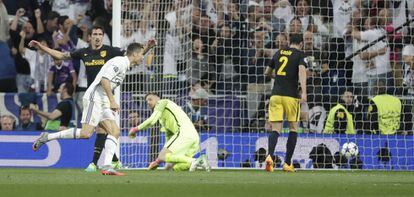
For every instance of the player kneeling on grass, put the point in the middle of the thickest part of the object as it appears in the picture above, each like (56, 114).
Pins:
(100, 106)
(182, 140)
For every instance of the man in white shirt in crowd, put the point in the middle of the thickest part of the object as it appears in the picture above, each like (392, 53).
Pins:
(379, 68)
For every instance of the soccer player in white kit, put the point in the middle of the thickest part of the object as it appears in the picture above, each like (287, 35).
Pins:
(100, 106)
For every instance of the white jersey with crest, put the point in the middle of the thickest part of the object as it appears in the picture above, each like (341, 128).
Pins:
(114, 70)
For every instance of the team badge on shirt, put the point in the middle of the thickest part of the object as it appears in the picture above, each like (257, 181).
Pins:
(103, 53)
(116, 69)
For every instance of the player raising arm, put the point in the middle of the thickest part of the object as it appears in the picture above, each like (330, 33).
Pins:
(290, 68)
(100, 106)
(93, 57)
(182, 140)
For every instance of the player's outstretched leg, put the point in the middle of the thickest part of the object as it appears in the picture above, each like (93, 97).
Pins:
(72, 133)
(40, 141)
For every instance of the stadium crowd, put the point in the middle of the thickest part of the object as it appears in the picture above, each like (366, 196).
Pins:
(232, 43)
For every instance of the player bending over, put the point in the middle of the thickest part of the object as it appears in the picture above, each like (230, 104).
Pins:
(182, 140)
(100, 106)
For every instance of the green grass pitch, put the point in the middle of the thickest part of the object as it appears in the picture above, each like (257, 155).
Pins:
(75, 182)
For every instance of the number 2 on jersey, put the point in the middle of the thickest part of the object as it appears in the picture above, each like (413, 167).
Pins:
(284, 60)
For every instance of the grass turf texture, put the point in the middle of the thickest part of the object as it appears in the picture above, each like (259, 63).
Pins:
(75, 182)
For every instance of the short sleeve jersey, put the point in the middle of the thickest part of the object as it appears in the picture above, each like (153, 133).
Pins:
(286, 65)
(95, 59)
(114, 70)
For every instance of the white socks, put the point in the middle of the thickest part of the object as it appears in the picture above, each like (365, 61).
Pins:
(111, 144)
(72, 133)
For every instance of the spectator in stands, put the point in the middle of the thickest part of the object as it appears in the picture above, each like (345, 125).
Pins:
(61, 7)
(237, 23)
(254, 13)
(142, 34)
(195, 109)
(259, 85)
(102, 11)
(176, 42)
(280, 42)
(227, 72)
(62, 39)
(25, 120)
(133, 119)
(204, 31)
(359, 67)
(201, 69)
(60, 72)
(39, 62)
(379, 68)
(395, 41)
(7, 123)
(61, 116)
(317, 61)
(49, 27)
(7, 69)
(139, 31)
(295, 26)
(128, 34)
(216, 10)
(342, 10)
(312, 23)
(384, 111)
(70, 8)
(408, 58)
(340, 118)
(239, 29)
(4, 23)
(283, 10)
(203, 84)
(408, 82)
(277, 24)
(23, 79)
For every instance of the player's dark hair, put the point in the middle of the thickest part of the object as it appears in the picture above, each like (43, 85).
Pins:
(69, 88)
(62, 19)
(24, 107)
(152, 93)
(97, 27)
(296, 38)
(133, 48)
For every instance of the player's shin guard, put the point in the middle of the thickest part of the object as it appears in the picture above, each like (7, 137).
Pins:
(181, 167)
(110, 147)
(72, 133)
(99, 145)
(273, 136)
(290, 146)
(171, 158)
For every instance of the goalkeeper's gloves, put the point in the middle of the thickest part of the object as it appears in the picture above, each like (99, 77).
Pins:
(133, 132)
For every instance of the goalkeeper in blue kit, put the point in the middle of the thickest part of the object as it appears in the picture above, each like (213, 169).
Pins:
(182, 139)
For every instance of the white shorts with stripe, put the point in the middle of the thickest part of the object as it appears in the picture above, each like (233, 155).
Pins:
(95, 112)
